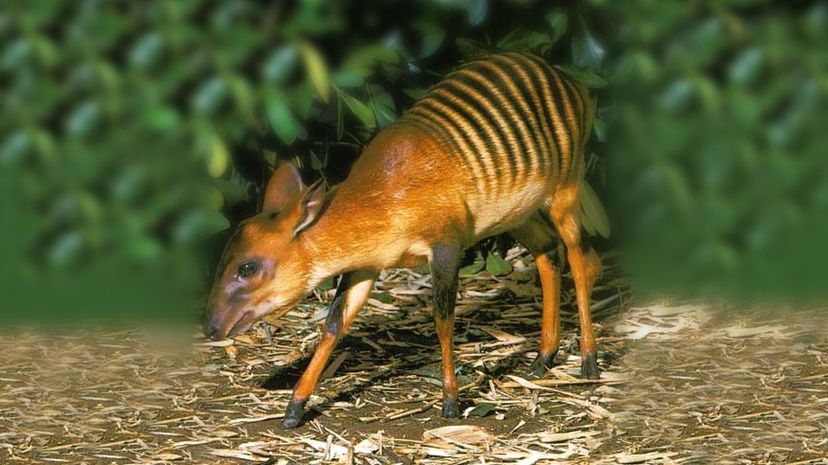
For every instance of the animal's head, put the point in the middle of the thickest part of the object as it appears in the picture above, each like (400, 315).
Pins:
(265, 268)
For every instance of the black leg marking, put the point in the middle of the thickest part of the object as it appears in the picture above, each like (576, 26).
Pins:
(445, 263)
(293, 414)
(333, 323)
(589, 366)
(543, 363)
(450, 408)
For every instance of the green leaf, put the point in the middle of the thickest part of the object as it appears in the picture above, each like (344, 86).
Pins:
(365, 58)
(198, 224)
(526, 40)
(340, 119)
(383, 297)
(15, 147)
(708, 92)
(211, 198)
(677, 96)
(558, 21)
(476, 267)
(278, 66)
(471, 49)
(593, 215)
(317, 70)
(66, 249)
(144, 249)
(83, 118)
(315, 162)
(326, 284)
(363, 62)
(302, 98)
(232, 192)
(600, 129)
(586, 51)
(482, 410)
(15, 54)
(347, 78)
(385, 114)
(281, 118)
(383, 105)
(209, 96)
(242, 93)
(746, 67)
(587, 78)
(497, 266)
(162, 118)
(146, 50)
(44, 142)
(433, 37)
(415, 92)
(45, 50)
(219, 156)
(361, 110)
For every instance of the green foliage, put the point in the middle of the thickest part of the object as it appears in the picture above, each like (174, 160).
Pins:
(718, 163)
(593, 217)
(497, 265)
(475, 266)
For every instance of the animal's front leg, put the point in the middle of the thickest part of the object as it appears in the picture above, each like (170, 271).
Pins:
(445, 262)
(353, 290)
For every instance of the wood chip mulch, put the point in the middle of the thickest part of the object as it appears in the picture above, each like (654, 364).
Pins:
(681, 384)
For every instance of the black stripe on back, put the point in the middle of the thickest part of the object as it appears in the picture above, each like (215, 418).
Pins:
(490, 109)
(547, 124)
(502, 87)
(558, 102)
(490, 120)
(532, 119)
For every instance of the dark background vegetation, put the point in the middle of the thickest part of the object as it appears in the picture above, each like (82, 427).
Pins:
(134, 134)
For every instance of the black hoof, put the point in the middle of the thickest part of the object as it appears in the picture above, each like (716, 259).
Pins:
(450, 408)
(290, 423)
(589, 367)
(543, 363)
(293, 414)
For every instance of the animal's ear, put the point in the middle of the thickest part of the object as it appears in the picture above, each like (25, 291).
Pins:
(310, 206)
(284, 186)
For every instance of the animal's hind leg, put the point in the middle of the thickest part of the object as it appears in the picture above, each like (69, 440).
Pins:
(585, 267)
(538, 236)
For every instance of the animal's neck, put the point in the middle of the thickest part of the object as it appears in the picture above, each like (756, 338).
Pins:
(359, 228)
(345, 237)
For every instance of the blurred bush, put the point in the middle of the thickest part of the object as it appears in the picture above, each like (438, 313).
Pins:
(132, 133)
(718, 155)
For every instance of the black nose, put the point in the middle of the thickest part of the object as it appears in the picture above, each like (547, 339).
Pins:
(211, 330)
(211, 333)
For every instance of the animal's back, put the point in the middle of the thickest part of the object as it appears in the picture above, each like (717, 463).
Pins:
(515, 124)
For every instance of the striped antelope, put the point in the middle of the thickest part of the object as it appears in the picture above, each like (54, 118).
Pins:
(497, 146)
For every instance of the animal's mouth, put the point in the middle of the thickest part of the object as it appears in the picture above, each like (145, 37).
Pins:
(249, 318)
(244, 323)
(235, 325)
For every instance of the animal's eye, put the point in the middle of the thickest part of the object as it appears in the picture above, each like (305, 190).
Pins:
(247, 269)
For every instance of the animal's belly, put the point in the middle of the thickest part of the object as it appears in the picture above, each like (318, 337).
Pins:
(473, 218)
(501, 214)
